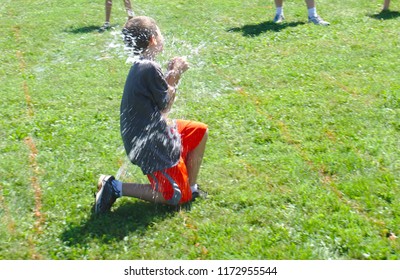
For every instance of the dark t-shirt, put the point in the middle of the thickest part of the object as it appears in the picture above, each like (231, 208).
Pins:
(149, 141)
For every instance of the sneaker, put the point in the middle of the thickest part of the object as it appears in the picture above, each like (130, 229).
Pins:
(318, 20)
(131, 14)
(279, 18)
(105, 26)
(106, 194)
(199, 193)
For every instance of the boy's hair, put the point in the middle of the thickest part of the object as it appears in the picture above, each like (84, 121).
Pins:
(137, 33)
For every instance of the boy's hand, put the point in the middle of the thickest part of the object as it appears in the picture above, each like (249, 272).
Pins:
(176, 67)
(178, 64)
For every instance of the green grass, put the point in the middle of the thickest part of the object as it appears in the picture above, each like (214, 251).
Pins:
(303, 158)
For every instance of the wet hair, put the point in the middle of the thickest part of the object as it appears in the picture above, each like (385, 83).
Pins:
(137, 33)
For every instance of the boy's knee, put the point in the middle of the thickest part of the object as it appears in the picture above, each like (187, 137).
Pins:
(205, 136)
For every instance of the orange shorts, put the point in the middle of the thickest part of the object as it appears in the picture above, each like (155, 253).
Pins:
(172, 181)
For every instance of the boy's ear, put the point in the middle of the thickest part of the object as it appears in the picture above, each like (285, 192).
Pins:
(153, 40)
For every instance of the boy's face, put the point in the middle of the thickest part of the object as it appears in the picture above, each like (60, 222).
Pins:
(159, 41)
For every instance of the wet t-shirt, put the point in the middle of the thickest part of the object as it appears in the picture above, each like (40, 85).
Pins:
(149, 141)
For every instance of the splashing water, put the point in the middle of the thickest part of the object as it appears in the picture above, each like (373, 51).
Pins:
(193, 53)
(123, 171)
(114, 47)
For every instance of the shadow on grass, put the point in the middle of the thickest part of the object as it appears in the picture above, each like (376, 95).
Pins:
(126, 218)
(385, 15)
(251, 30)
(83, 29)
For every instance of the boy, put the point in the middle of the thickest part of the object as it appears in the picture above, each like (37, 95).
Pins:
(169, 152)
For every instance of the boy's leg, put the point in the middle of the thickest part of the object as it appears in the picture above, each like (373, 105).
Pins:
(194, 138)
(142, 191)
(194, 159)
(172, 184)
(169, 186)
(110, 189)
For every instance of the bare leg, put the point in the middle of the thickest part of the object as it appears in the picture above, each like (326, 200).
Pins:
(386, 5)
(108, 10)
(310, 4)
(278, 3)
(194, 159)
(142, 191)
(312, 10)
(128, 8)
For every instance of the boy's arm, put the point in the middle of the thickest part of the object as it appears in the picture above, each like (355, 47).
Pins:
(171, 99)
(176, 67)
(173, 77)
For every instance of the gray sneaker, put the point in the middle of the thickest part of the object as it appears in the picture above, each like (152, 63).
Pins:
(199, 193)
(106, 194)
(318, 20)
(131, 14)
(105, 26)
(279, 18)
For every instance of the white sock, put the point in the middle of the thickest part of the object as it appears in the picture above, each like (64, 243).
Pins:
(279, 10)
(117, 186)
(194, 188)
(312, 12)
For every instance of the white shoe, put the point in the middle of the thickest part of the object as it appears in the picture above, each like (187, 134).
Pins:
(279, 18)
(318, 20)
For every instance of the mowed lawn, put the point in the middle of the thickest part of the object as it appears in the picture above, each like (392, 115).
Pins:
(303, 156)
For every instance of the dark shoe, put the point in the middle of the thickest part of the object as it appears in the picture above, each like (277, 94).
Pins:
(106, 194)
(105, 26)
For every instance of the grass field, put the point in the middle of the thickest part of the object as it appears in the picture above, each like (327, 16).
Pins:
(303, 157)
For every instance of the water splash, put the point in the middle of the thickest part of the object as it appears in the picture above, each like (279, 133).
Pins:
(177, 47)
(114, 47)
(122, 172)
